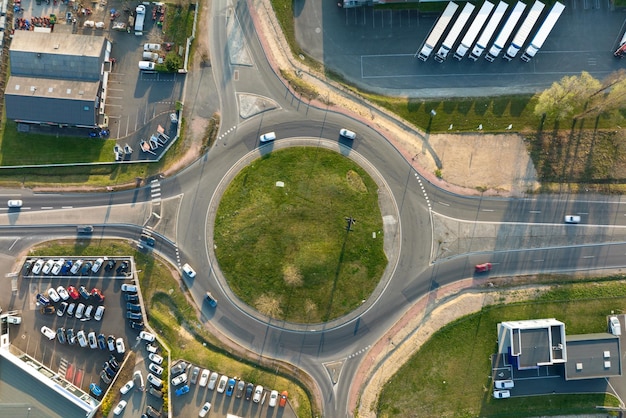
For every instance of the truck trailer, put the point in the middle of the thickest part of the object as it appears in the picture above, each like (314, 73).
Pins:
(505, 32)
(474, 29)
(527, 25)
(454, 33)
(139, 19)
(435, 34)
(544, 31)
(489, 30)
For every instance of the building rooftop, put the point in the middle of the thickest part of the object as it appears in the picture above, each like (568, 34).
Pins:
(52, 88)
(57, 43)
(593, 356)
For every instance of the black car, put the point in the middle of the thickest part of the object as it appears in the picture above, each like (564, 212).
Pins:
(133, 307)
(135, 325)
(249, 390)
(113, 363)
(109, 371)
(147, 239)
(155, 392)
(111, 342)
(71, 338)
(61, 335)
(84, 293)
(122, 268)
(110, 265)
(132, 297)
(102, 342)
(86, 268)
(27, 266)
(133, 315)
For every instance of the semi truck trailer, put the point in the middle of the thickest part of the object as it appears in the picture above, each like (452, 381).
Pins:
(505, 32)
(454, 33)
(543, 32)
(139, 19)
(474, 29)
(489, 30)
(522, 33)
(435, 34)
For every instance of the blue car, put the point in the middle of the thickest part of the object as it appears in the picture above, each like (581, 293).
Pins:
(42, 300)
(95, 389)
(66, 267)
(182, 390)
(230, 387)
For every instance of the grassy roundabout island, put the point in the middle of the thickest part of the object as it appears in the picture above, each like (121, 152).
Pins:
(281, 235)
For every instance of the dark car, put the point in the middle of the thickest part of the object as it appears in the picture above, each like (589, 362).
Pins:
(155, 392)
(84, 293)
(86, 268)
(47, 310)
(113, 363)
(122, 268)
(241, 387)
(97, 295)
(102, 342)
(152, 413)
(67, 266)
(135, 325)
(178, 368)
(71, 338)
(61, 335)
(111, 343)
(147, 239)
(84, 229)
(110, 265)
(133, 315)
(133, 307)
(132, 297)
(106, 379)
(27, 266)
(249, 390)
(42, 300)
(109, 371)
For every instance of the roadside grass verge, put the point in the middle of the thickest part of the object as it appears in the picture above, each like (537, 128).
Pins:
(175, 319)
(306, 266)
(450, 374)
(178, 23)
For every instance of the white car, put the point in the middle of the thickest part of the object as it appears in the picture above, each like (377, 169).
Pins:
(88, 312)
(504, 384)
(80, 309)
(204, 378)
(501, 394)
(63, 293)
(179, 379)
(130, 288)
(213, 380)
(572, 219)
(96, 266)
(616, 327)
(56, 268)
(91, 337)
(38, 266)
(119, 345)
(268, 137)
(155, 380)
(50, 334)
(15, 203)
(347, 133)
(205, 409)
(53, 295)
(273, 398)
(155, 358)
(119, 408)
(189, 271)
(146, 336)
(127, 387)
(99, 312)
(82, 339)
(47, 267)
(138, 379)
(221, 386)
(258, 392)
(156, 369)
(151, 47)
(76, 267)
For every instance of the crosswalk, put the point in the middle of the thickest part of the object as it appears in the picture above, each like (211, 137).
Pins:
(63, 367)
(155, 191)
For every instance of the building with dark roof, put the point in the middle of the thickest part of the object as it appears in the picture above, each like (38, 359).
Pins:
(57, 79)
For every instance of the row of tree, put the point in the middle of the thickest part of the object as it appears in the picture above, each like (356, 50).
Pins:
(583, 96)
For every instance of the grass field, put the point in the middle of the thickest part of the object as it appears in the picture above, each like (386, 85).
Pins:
(449, 376)
(175, 319)
(288, 246)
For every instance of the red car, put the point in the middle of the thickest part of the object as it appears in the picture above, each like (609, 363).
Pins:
(73, 292)
(283, 399)
(481, 268)
(97, 295)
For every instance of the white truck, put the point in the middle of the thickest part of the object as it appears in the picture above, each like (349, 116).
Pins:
(454, 33)
(472, 32)
(505, 32)
(489, 30)
(544, 31)
(522, 33)
(140, 11)
(437, 31)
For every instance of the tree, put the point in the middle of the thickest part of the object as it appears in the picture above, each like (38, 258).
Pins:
(611, 96)
(269, 305)
(564, 97)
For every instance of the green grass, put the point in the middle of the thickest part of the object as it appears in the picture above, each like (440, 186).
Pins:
(179, 23)
(176, 320)
(459, 355)
(268, 236)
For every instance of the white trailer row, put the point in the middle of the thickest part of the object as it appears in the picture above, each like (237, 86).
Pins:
(435, 34)
(454, 33)
(544, 31)
(505, 32)
(490, 29)
(522, 33)
(474, 29)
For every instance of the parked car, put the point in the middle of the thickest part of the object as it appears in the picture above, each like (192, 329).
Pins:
(47, 310)
(48, 333)
(122, 268)
(156, 369)
(63, 293)
(96, 265)
(190, 272)
(347, 133)
(109, 371)
(154, 380)
(182, 390)
(127, 387)
(155, 392)
(110, 265)
(95, 389)
(71, 338)
(138, 379)
(504, 384)
(152, 413)
(249, 390)
(204, 377)
(194, 374)
(155, 358)
(213, 380)
(42, 300)
(258, 392)
(179, 379)
(221, 386)
(132, 307)
(119, 408)
(111, 343)
(241, 387)
(119, 345)
(53, 295)
(114, 364)
(132, 298)
(91, 337)
(501, 394)
(67, 266)
(88, 311)
(82, 338)
(84, 293)
(71, 309)
(47, 267)
(80, 309)
(273, 398)
(102, 342)
(482, 268)
(105, 378)
(97, 295)
(283, 399)
(146, 336)
(135, 325)
(38, 266)
(61, 335)
(615, 326)
(133, 315)
(76, 267)
(73, 292)
(230, 387)
(99, 312)
(205, 409)
(28, 265)
(62, 309)
(180, 367)
(86, 268)
(129, 288)
(56, 268)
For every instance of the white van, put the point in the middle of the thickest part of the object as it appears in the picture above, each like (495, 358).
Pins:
(146, 66)
(150, 56)
(151, 47)
(14, 320)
